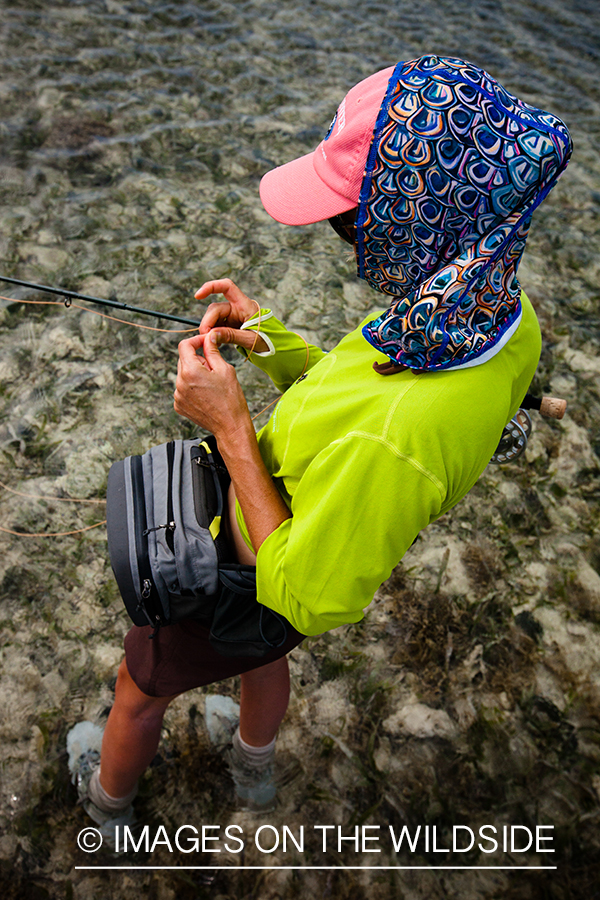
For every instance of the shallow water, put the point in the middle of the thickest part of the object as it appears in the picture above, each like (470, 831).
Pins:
(133, 137)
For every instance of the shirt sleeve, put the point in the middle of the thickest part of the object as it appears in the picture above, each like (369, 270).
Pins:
(357, 509)
(289, 355)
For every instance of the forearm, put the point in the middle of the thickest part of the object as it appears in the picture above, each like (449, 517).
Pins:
(261, 503)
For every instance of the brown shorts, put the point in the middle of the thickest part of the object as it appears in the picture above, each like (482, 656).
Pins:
(180, 657)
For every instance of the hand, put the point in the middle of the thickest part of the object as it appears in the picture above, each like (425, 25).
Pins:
(207, 390)
(236, 309)
(208, 393)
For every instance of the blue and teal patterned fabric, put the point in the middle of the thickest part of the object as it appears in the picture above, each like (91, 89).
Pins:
(456, 168)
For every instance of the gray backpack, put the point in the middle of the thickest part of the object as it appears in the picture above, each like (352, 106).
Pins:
(170, 556)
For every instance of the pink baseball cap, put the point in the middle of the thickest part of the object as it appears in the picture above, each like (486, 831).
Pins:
(327, 181)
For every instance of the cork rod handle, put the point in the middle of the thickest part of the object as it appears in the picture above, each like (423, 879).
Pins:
(553, 407)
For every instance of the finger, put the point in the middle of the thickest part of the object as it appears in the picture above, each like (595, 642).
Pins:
(249, 340)
(212, 356)
(220, 286)
(189, 347)
(215, 314)
(188, 356)
(230, 291)
(223, 286)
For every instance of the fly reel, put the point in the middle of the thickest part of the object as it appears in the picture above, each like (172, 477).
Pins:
(513, 442)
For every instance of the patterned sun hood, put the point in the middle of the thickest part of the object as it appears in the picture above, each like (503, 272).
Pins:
(456, 168)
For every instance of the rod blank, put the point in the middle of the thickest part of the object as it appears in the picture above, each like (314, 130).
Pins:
(115, 304)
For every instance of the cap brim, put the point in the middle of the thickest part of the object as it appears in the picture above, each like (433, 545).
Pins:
(294, 194)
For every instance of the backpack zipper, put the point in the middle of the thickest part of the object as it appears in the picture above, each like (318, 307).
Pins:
(204, 515)
(149, 602)
(170, 526)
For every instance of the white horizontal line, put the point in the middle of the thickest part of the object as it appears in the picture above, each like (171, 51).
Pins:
(323, 868)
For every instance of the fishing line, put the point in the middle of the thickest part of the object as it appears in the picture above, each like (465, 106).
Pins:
(51, 533)
(102, 315)
(52, 500)
(67, 303)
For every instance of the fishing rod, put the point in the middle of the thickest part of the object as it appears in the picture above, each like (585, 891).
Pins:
(115, 304)
(514, 437)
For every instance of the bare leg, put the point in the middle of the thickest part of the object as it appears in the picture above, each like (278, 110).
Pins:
(131, 735)
(264, 698)
(133, 728)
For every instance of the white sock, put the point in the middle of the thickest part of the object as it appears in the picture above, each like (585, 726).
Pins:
(104, 801)
(253, 756)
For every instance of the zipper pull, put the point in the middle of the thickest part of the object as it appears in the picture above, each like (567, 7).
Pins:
(170, 526)
(146, 590)
(209, 464)
(157, 624)
(145, 595)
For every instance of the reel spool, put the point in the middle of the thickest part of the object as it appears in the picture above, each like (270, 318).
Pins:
(513, 442)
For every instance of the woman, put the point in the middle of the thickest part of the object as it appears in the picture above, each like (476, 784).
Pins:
(432, 171)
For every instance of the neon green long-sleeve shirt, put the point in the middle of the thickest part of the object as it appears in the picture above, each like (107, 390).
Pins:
(366, 461)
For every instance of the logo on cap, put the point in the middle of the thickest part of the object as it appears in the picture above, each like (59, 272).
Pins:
(331, 127)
